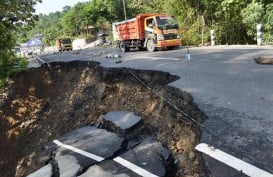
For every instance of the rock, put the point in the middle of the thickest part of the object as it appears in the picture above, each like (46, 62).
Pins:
(264, 60)
(117, 56)
(119, 61)
(111, 55)
(97, 54)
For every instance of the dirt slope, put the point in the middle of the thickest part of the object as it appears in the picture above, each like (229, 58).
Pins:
(47, 102)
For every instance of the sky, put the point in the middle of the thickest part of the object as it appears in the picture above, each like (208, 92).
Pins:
(48, 6)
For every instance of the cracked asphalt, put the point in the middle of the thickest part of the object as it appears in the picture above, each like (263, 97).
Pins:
(91, 151)
(234, 92)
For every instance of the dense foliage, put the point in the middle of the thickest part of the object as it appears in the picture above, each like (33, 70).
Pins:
(14, 15)
(234, 21)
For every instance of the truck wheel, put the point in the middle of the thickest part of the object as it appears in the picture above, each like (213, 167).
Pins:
(151, 45)
(123, 47)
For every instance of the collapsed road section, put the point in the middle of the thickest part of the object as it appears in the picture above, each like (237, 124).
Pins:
(45, 103)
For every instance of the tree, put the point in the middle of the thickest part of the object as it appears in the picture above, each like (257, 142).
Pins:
(67, 21)
(66, 9)
(268, 23)
(14, 15)
(110, 10)
(49, 26)
(252, 15)
(234, 21)
(74, 19)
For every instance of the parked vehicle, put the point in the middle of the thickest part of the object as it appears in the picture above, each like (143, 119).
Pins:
(64, 44)
(148, 31)
(26, 51)
(16, 50)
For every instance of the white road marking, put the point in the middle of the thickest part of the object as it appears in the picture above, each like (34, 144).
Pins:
(232, 161)
(138, 170)
(79, 151)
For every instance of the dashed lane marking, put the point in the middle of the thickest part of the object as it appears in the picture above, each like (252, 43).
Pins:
(232, 161)
(79, 151)
(136, 169)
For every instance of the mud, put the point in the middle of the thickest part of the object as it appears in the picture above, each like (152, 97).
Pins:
(44, 103)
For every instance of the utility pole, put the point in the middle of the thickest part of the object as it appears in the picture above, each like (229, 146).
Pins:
(124, 8)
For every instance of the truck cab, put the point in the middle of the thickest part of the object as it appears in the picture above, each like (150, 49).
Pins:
(64, 44)
(161, 31)
(148, 31)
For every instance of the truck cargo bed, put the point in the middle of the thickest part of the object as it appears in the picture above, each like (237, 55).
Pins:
(130, 29)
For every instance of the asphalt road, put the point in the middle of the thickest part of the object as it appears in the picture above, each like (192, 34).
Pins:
(235, 93)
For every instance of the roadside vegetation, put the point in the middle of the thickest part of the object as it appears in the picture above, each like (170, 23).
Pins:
(234, 21)
(14, 16)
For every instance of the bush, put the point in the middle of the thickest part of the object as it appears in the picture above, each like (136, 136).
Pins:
(11, 65)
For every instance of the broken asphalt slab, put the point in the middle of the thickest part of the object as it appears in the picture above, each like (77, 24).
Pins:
(83, 147)
(123, 120)
(149, 155)
(114, 171)
(90, 151)
(46, 171)
(149, 159)
(99, 143)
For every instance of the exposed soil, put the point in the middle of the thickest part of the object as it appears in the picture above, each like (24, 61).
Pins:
(43, 104)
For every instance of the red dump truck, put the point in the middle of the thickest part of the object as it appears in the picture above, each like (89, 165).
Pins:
(147, 31)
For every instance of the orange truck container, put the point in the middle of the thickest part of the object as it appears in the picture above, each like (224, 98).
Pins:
(148, 31)
(64, 44)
